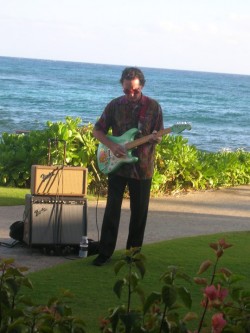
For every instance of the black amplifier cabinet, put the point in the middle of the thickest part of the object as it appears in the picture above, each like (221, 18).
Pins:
(50, 220)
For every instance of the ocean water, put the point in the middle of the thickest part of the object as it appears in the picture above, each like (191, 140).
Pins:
(35, 91)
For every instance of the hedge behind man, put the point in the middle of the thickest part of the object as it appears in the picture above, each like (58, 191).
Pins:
(131, 110)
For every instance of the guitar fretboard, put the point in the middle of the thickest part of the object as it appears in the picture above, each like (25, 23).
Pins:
(144, 139)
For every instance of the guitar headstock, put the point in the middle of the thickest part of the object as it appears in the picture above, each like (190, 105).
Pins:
(180, 127)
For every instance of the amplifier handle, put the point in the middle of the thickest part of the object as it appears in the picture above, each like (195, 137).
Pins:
(56, 141)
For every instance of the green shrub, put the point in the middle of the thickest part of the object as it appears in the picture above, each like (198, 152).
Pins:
(178, 166)
(224, 304)
(20, 314)
(18, 152)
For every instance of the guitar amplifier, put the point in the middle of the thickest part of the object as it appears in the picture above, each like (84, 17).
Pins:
(54, 220)
(58, 180)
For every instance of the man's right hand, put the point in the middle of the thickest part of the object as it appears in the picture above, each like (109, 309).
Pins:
(117, 150)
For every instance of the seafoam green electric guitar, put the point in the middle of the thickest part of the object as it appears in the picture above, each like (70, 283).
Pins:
(108, 162)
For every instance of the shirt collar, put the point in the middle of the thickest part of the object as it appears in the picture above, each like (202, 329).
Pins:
(123, 100)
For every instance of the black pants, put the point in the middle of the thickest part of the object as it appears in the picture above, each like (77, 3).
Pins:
(139, 191)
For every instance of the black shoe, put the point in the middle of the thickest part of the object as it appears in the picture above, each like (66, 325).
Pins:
(101, 260)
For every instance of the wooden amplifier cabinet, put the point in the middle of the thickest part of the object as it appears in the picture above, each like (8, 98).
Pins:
(54, 220)
(58, 180)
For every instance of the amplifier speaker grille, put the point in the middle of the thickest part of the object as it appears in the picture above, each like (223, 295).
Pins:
(54, 221)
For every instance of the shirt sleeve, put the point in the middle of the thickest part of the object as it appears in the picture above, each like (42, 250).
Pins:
(159, 120)
(104, 122)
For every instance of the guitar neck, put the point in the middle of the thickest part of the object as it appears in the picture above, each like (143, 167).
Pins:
(144, 139)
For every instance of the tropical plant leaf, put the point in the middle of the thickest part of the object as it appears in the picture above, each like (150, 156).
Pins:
(118, 287)
(150, 300)
(118, 265)
(169, 295)
(141, 267)
(185, 296)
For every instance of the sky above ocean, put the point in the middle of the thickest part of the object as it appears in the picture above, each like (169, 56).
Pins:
(207, 35)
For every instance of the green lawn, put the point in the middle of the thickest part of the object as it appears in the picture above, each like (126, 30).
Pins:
(12, 196)
(92, 286)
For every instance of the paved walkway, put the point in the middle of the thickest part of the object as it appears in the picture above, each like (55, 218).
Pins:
(197, 213)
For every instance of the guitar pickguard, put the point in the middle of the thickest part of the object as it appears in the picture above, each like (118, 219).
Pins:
(107, 161)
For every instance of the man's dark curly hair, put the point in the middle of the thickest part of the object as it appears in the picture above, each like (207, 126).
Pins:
(130, 73)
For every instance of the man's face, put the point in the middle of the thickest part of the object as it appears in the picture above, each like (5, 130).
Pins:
(132, 89)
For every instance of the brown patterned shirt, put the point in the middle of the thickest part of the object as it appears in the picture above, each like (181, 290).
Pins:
(120, 115)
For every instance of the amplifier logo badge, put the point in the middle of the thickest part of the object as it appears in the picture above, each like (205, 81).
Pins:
(44, 176)
(39, 211)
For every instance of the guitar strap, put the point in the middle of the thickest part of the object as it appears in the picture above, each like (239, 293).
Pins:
(142, 113)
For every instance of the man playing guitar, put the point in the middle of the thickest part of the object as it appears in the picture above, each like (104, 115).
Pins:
(133, 110)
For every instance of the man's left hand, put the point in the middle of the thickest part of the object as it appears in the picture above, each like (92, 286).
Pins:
(154, 138)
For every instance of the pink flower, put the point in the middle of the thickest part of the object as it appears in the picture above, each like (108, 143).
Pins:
(223, 244)
(218, 323)
(219, 247)
(214, 293)
(222, 293)
(211, 292)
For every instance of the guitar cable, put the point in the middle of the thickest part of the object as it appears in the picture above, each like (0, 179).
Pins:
(97, 200)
